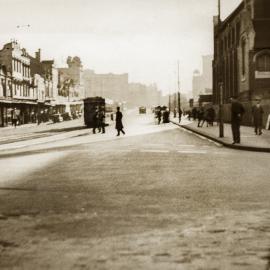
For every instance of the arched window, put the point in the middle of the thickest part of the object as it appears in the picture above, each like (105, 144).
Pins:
(243, 48)
(263, 62)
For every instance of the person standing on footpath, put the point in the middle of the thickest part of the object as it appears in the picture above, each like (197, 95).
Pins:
(180, 114)
(237, 111)
(200, 115)
(95, 121)
(118, 122)
(102, 117)
(14, 117)
(257, 112)
(159, 114)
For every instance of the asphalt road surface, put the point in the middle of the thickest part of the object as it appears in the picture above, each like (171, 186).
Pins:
(157, 198)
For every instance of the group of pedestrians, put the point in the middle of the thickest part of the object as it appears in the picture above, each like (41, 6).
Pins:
(100, 124)
(237, 112)
(99, 120)
(206, 115)
(163, 115)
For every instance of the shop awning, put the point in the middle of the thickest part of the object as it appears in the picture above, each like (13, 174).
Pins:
(17, 101)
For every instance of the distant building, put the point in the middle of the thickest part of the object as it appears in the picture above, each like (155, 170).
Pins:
(202, 82)
(70, 86)
(143, 95)
(70, 78)
(242, 57)
(111, 86)
(45, 81)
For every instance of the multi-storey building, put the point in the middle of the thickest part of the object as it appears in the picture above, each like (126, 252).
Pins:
(202, 82)
(45, 78)
(241, 63)
(70, 86)
(143, 95)
(112, 86)
(5, 96)
(16, 62)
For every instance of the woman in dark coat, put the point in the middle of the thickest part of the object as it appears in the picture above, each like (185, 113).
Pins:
(257, 112)
(118, 122)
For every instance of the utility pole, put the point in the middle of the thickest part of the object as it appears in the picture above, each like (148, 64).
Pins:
(178, 93)
(219, 11)
(220, 78)
(221, 124)
(170, 102)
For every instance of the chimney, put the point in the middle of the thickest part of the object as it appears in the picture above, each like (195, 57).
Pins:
(38, 55)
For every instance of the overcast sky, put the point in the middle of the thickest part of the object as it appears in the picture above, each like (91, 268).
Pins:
(144, 38)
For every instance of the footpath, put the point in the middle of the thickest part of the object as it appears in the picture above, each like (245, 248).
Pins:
(34, 131)
(249, 140)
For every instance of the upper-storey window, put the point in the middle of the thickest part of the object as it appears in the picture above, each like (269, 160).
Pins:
(263, 62)
(243, 54)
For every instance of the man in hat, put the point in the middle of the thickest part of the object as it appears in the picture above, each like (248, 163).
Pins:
(237, 111)
(257, 113)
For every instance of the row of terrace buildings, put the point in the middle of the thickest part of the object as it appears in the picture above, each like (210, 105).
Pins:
(241, 65)
(34, 87)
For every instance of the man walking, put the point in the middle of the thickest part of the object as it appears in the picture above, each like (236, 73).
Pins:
(257, 112)
(237, 111)
(118, 122)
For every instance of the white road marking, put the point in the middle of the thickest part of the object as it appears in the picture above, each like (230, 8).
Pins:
(186, 145)
(192, 152)
(154, 151)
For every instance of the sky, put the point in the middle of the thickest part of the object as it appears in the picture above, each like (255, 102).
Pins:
(144, 38)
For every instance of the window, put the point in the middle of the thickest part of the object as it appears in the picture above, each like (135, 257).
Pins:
(243, 47)
(263, 63)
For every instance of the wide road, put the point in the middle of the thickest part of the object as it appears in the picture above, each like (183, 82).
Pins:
(157, 198)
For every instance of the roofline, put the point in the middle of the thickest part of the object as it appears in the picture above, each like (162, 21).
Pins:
(232, 15)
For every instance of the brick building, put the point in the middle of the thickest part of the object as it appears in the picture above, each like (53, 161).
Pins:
(242, 57)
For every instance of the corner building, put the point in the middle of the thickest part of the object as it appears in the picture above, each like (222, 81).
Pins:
(242, 57)
(18, 89)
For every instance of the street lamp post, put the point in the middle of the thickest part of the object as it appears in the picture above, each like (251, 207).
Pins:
(178, 95)
(169, 102)
(221, 124)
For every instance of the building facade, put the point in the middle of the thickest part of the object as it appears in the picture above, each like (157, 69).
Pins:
(241, 65)
(202, 82)
(70, 86)
(19, 93)
(111, 86)
(5, 96)
(143, 95)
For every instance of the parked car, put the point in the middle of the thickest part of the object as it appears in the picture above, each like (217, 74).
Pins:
(57, 117)
(66, 116)
(142, 110)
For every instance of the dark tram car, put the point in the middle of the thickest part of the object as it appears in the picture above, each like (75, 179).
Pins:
(92, 104)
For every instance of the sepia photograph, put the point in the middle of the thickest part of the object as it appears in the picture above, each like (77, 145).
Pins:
(134, 135)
